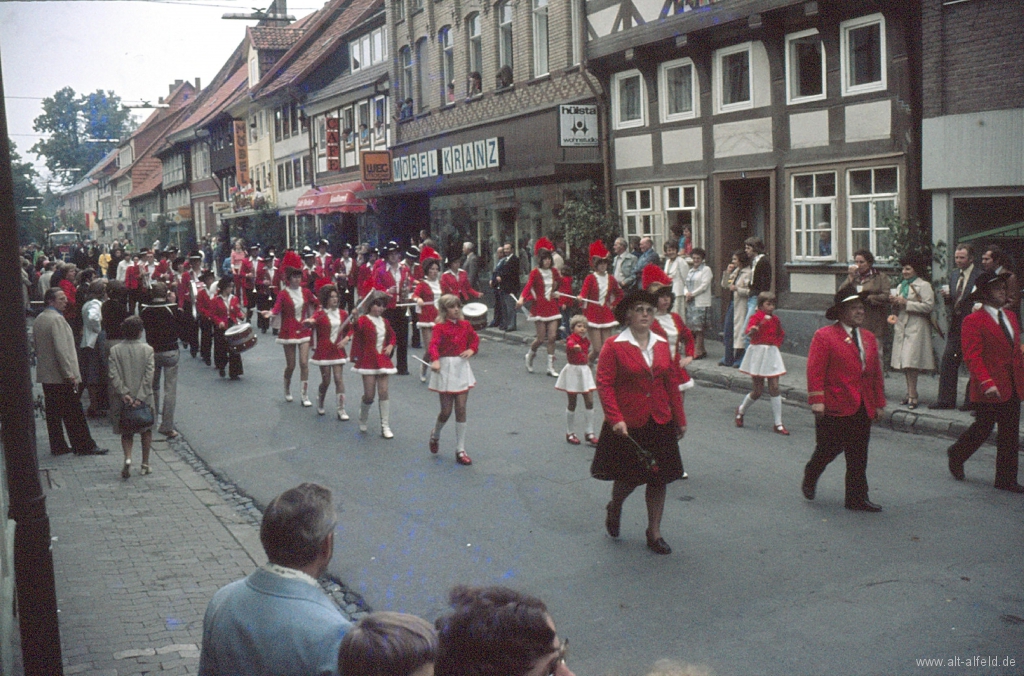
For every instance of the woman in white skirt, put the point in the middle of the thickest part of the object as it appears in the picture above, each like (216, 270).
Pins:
(329, 355)
(575, 378)
(426, 295)
(763, 359)
(452, 343)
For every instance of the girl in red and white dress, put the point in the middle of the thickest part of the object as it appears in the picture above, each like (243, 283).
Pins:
(294, 304)
(540, 288)
(763, 359)
(373, 341)
(329, 355)
(576, 379)
(426, 294)
(452, 343)
(455, 280)
(604, 293)
(365, 272)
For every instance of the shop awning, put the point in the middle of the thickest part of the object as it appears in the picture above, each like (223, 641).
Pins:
(1012, 231)
(331, 199)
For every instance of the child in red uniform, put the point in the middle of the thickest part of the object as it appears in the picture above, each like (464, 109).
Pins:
(452, 343)
(604, 293)
(540, 288)
(763, 359)
(329, 354)
(426, 295)
(373, 341)
(576, 378)
(295, 303)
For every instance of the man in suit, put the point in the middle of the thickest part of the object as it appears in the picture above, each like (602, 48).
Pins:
(278, 620)
(846, 390)
(991, 346)
(509, 286)
(996, 260)
(647, 256)
(961, 283)
(471, 264)
(57, 371)
(499, 303)
(624, 264)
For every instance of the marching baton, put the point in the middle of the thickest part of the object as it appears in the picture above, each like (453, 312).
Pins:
(582, 300)
(645, 456)
(419, 360)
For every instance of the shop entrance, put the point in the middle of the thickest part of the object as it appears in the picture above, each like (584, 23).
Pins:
(745, 208)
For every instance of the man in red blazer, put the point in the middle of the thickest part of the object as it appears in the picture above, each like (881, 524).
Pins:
(990, 342)
(846, 391)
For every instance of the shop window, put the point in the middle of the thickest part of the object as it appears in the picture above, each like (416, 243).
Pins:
(814, 217)
(805, 67)
(733, 78)
(540, 37)
(444, 37)
(873, 195)
(638, 212)
(628, 99)
(862, 54)
(679, 95)
(505, 35)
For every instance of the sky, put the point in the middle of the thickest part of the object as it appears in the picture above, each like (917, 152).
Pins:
(135, 48)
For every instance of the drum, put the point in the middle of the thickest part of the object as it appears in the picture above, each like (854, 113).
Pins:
(475, 314)
(240, 337)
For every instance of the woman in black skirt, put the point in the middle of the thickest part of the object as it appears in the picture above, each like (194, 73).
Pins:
(643, 416)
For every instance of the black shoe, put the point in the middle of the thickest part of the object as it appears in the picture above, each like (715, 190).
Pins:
(611, 521)
(863, 506)
(956, 467)
(95, 450)
(221, 372)
(807, 489)
(939, 406)
(1012, 488)
(658, 546)
(63, 451)
(965, 407)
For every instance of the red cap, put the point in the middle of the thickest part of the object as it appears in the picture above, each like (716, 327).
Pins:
(543, 243)
(654, 275)
(598, 250)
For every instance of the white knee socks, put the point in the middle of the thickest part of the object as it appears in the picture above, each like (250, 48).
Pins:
(570, 421)
(588, 420)
(777, 409)
(460, 436)
(747, 401)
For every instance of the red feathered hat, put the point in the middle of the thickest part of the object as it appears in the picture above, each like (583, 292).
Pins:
(598, 250)
(291, 260)
(320, 283)
(654, 278)
(543, 243)
(428, 252)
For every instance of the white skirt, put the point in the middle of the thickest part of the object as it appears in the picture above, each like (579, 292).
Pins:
(575, 378)
(328, 362)
(764, 361)
(455, 376)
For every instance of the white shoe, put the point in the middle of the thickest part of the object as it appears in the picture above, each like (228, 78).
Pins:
(385, 419)
(342, 414)
(305, 397)
(529, 360)
(551, 366)
(423, 373)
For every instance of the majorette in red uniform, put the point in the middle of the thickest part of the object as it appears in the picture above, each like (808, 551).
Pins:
(327, 336)
(293, 306)
(372, 336)
(575, 379)
(541, 286)
(456, 282)
(669, 324)
(450, 373)
(225, 311)
(324, 264)
(601, 289)
(426, 294)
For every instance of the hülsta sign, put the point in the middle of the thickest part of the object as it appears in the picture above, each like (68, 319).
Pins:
(376, 166)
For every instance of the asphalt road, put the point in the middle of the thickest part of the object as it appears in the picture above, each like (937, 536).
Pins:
(760, 581)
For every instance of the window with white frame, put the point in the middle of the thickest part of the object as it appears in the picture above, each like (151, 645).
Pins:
(444, 38)
(505, 34)
(405, 59)
(862, 54)
(814, 216)
(380, 117)
(805, 67)
(421, 54)
(399, 10)
(200, 161)
(872, 199)
(307, 170)
(363, 110)
(174, 170)
(476, 49)
(124, 157)
(733, 78)
(638, 211)
(254, 71)
(628, 99)
(540, 37)
(297, 171)
(369, 50)
(680, 197)
(679, 93)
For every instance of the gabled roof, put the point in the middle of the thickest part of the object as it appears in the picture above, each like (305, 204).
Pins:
(274, 37)
(325, 32)
(214, 102)
(147, 175)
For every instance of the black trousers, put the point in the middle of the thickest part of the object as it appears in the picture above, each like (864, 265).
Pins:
(64, 411)
(1007, 416)
(949, 371)
(834, 435)
(264, 301)
(399, 320)
(499, 310)
(205, 338)
(224, 356)
(190, 329)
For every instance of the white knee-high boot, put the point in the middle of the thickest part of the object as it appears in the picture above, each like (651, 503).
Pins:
(342, 413)
(385, 419)
(305, 395)
(551, 366)
(364, 414)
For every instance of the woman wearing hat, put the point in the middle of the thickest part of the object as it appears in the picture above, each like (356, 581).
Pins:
(455, 280)
(643, 416)
(426, 295)
(545, 313)
(225, 311)
(912, 339)
(295, 303)
(603, 292)
(329, 355)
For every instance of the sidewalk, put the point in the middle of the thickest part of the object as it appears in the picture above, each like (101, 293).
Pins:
(945, 424)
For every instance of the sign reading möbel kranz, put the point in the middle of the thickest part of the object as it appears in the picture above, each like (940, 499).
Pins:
(376, 166)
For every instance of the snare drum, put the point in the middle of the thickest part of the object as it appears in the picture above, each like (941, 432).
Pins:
(240, 337)
(475, 314)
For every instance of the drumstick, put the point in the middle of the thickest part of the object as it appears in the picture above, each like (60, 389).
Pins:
(406, 304)
(419, 360)
(354, 311)
(584, 300)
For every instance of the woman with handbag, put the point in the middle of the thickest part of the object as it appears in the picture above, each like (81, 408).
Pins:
(131, 377)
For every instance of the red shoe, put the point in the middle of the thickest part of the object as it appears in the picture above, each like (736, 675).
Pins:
(739, 418)
(434, 444)
(572, 439)
(591, 439)
(462, 458)
(779, 429)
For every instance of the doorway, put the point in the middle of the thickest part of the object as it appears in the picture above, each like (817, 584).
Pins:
(745, 208)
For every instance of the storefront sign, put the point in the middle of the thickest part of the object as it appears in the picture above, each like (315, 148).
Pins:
(450, 160)
(577, 126)
(241, 154)
(333, 144)
(376, 165)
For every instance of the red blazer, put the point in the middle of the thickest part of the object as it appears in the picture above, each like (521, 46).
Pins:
(458, 285)
(835, 377)
(769, 329)
(131, 277)
(634, 392)
(223, 315)
(384, 280)
(324, 266)
(203, 301)
(450, 339)
(990, 357)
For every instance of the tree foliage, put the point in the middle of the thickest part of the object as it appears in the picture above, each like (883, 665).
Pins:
(585, 220)
(80, 131)
(908, 237)
(28, 203)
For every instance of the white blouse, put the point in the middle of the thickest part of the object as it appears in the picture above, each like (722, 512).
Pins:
(549, 282)
(378, 323)
(298, 300)
(334, 316)
(602, 287)
(669, 327)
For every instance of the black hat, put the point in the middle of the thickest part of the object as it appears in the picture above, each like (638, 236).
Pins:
(307, 252)
(844, 295)
(344, 246)
(632, 297)
(981, 284)
(391, 246)
(254, 246)
(206, 273)
(413, 252)
(195, 256)
(323, 242)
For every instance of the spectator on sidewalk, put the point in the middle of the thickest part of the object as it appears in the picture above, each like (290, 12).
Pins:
(698, 300)
(508, 286)
(958, 306)
(57, 371)
(997, 261)
(624, 264)
(389, 644)
(278, 620)
(131, 380)
(497, 631)
(875, 285)
(648, 256)
(471, 264)
(163, 320)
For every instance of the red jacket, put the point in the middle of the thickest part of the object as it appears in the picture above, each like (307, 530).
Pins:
(769, 330)
(990, 357)
(458, 285)
(450, 339)
(577, 349)
(224, 316)
(633, 392)
(384, 280)
(835, 376)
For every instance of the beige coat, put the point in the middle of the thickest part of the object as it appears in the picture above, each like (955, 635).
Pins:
(131, 373)
(912, 339)
(56, 358)
(739, 306)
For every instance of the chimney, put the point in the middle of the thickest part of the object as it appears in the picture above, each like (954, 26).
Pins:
(198, 88)
(170, 88)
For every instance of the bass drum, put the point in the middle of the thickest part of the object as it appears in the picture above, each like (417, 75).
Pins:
(240, 337)
(475, 314)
